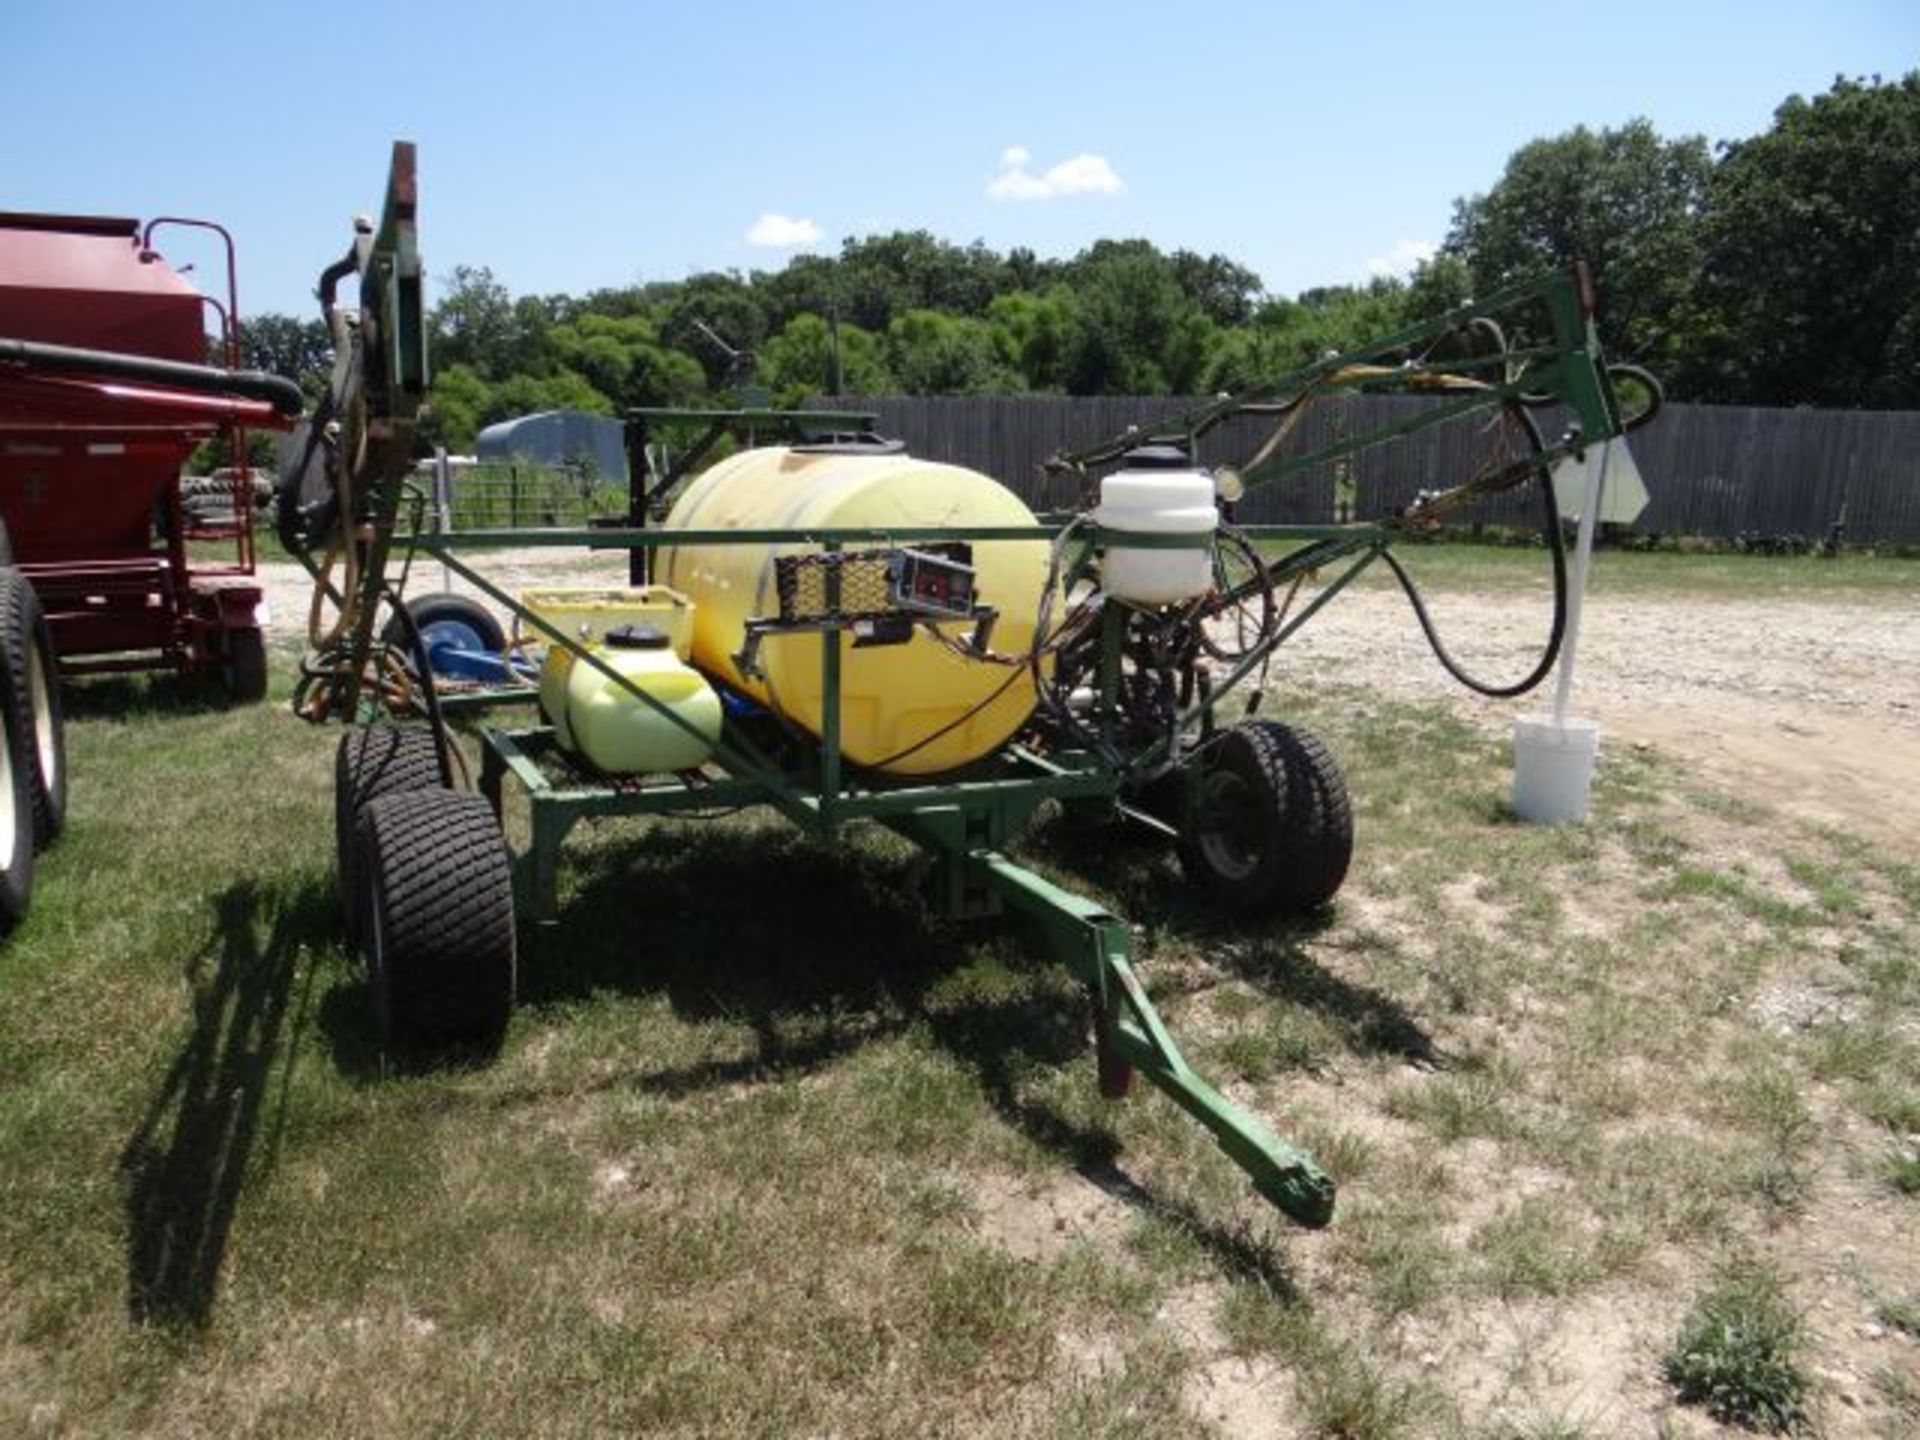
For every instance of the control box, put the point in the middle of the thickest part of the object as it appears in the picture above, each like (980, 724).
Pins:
(928, 584)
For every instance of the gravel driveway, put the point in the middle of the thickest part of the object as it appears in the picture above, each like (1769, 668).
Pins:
(1808, 705)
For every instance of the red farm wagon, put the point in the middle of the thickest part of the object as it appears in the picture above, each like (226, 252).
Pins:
(105, 391)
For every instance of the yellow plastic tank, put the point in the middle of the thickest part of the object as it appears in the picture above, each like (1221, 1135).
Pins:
(587, 614)
(897, 701)
(626, 736)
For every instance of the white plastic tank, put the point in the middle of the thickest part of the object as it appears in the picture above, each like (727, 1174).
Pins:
(1157, 492)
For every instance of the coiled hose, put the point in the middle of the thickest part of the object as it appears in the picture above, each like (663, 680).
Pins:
(1550, 527)
(1557, 547)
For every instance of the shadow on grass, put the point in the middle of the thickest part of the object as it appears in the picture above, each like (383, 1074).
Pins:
(818, 951)
(1367, 1021)
(1273, 955)
(140, 696)
(188, 1158)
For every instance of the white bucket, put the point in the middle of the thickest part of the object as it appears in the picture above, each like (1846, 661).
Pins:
(1553, 768)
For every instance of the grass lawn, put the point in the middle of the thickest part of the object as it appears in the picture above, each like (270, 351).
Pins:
(1447, 565)
(770, 1151)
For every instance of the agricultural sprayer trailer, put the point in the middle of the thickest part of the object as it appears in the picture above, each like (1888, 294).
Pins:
(1131, 708)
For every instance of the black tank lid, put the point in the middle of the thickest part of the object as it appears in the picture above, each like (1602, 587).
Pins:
(1157, 457)
(638, 637)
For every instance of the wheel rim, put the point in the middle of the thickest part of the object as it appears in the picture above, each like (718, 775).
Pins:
(1229, 827)
(9, 818)
(454, 634)
(45, 742)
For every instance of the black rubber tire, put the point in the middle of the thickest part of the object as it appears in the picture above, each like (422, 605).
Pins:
(1274, 830)
(243, 665)
(30, 691)
(444, 606)
(438, 938)
(16, 826)
(373, 761)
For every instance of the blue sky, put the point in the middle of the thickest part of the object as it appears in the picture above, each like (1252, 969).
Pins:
(570, 146)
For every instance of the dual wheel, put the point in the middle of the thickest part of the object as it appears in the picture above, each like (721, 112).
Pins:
(426, 888)
(33, 746)
(1267, 827)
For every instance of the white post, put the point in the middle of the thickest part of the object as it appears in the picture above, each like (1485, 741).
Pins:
(1597, 456)
(443, 505)
(1553, 754)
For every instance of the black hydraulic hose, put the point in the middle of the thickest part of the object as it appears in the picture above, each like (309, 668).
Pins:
(1550, 524)
(276, 390)
(1656, 394)
(423, 663)
(329, 286)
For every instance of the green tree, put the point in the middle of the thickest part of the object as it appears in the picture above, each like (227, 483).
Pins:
(805, 285)
(1224, 290)
(1438, 285)
(1027, 271)
(1625, 200)
(459, 400)
(474, 323)
(797, 362)
(886, 275)
(623, 359)
(531, 394)
(463, 404)
(1134, 330)
(931, 353)
(728, 305)
(1288, 335)
(1251, 356)
(1810, 276)
(301, 350)
(1031, 330)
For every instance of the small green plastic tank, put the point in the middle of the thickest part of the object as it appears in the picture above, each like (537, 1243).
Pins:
(621, 734)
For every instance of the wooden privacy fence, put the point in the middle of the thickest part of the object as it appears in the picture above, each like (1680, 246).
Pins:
(1720, 472)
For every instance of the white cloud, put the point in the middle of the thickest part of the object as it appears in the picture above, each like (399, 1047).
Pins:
(1082, 175)
(1403, 257)
(782, 232)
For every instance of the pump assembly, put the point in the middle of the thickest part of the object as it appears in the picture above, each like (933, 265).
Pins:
(841, 632)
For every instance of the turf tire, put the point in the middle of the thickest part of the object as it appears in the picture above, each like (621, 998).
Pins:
(1273, 832)
(438, 932)
(373, 761)
(243, 665)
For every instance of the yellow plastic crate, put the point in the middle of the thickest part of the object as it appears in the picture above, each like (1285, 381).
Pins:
(587, 614)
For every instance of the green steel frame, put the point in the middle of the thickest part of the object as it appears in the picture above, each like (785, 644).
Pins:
(967, 822)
